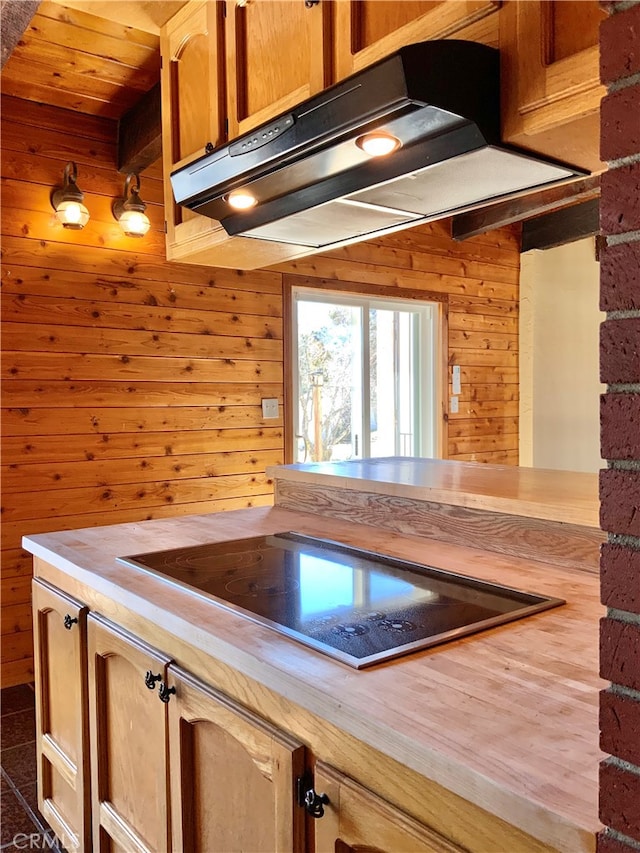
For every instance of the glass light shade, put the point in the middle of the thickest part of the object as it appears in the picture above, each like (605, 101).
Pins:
(134, 223)
(241, 200)
(378, 144)
(72, 214)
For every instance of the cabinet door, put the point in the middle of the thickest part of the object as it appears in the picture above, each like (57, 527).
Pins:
(551, 80)
(276, 57)
(232, 775)
(368, 30)
(128, 742)
(60, 639)
(356, 819)
(192, 95)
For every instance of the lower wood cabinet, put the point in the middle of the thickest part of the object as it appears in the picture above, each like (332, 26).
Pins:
(127, 725)
(176, 765)
(233, 776)
(356, 819)
(164, 743)
(60, 626)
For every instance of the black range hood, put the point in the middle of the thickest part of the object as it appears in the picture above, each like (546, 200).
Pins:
(316, 187)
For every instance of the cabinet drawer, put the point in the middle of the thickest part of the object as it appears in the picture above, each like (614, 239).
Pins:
(357, 819)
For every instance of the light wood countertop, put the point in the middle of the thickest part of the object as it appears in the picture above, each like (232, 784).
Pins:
(561, 496)
(506, 719)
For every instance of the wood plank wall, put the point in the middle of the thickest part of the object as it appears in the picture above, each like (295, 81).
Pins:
(132, 387)
(477, 283)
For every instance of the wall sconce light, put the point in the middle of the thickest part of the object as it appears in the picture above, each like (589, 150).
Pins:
(67, 202)
(130, 210)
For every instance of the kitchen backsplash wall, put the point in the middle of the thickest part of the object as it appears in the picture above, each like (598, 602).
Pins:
(132, 387)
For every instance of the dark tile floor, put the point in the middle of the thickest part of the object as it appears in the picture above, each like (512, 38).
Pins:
(22, 827)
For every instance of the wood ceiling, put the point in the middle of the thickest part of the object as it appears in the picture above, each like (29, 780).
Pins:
(92, 56)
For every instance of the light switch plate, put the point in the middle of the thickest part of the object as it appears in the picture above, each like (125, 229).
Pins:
(270, 407)
(455, 379)
(453, 405)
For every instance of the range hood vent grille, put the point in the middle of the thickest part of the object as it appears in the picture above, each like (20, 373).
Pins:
(314, 186)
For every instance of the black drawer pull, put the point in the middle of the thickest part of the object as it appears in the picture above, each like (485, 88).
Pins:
(69, 621)
(150, 679)
(314, 803)
(165, 692)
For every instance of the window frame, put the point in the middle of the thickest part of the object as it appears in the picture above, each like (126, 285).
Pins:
(293, 283)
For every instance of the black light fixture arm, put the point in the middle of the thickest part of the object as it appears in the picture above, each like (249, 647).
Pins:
(69, 190)
(131, 200)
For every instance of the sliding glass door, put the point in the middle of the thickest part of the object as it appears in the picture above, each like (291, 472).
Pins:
(364, 376)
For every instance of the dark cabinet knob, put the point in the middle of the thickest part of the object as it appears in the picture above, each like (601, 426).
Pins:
(69, 621)
(311, 3)
(150, 679)
(165, 692)
(314, 803)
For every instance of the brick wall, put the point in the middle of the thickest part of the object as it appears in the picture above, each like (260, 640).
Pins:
(620, 430)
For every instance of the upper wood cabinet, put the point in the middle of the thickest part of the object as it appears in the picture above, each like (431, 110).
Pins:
(276, 57)
(195, 112)
(232, 65)
(368, 30)
(356, 819)
(60, 640)
(550, 78)
(192, 96)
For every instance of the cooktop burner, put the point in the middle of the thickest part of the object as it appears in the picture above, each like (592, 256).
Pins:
(355, 605)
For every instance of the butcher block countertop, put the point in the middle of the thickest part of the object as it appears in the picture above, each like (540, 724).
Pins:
(505, 719)
(560, 496)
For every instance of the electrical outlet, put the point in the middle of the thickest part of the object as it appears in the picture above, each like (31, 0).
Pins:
(270, 407)
(453, 405)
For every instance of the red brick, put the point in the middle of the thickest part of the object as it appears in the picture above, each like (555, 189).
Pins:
(620, 426)
(620, 577)
(620, 350)
(620, 45)
(620, 800)
(620, 501)
(607, 844)
(620, 652)
(620, 277)
(620, 124)
(619, 208)
(620, 726)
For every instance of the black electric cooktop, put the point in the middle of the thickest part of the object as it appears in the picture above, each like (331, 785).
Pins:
(355, 605)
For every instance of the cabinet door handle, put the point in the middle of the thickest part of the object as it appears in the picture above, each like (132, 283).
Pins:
(69, 621)
(150, 679)
(311, 3)
(314, 803)
(165, 692)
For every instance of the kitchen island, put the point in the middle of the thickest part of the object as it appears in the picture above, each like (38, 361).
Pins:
(490, 741)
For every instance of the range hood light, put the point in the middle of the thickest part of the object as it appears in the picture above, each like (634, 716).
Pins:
(378, 144)
(241, 200)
